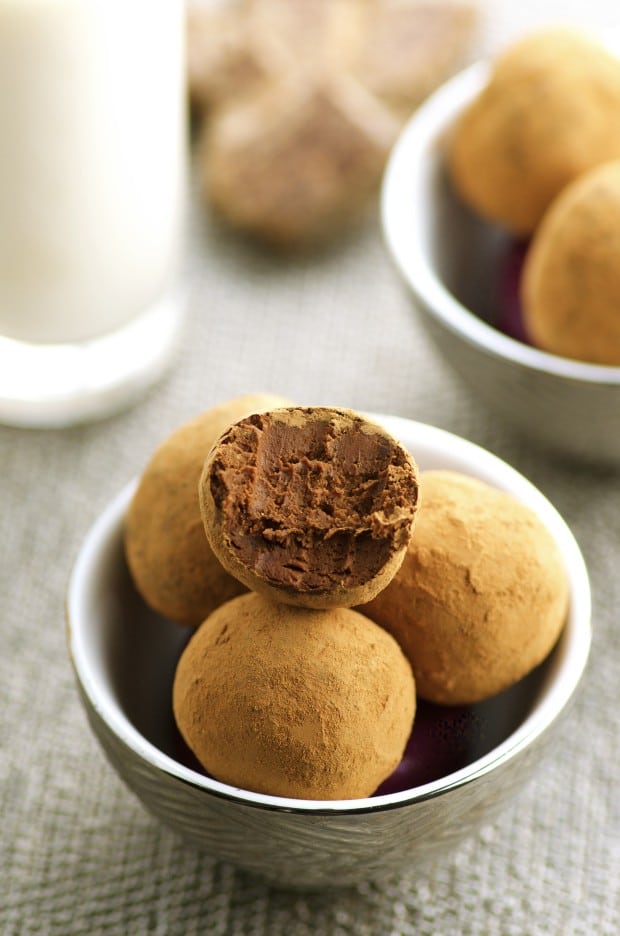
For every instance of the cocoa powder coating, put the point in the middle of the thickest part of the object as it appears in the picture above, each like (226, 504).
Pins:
(548, 113)
(309, 505)
(170, 560)
(311, 704)
(482, 595)
(570, 289)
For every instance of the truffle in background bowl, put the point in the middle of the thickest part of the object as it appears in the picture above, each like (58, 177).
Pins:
(462, 766)
(456, 266)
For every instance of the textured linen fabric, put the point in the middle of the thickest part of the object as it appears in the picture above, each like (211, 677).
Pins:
(78, 853)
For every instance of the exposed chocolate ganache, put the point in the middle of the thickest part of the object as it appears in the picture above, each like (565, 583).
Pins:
(312, 497)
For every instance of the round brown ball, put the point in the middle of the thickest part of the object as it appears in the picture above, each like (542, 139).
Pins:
(550, 111)
(170, 560)
(571, 276)
(312, 506)
(296, 161)
(482, 595)
(294, 702)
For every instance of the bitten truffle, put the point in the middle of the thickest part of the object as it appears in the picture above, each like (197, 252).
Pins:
(571, 276)
(482, 595)
(294, 702)
(550, 111)
(312, 506)
(170, 560)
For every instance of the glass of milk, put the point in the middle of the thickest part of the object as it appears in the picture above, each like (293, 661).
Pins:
(92, 191)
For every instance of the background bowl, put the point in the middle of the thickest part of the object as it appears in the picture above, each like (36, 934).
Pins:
(462, 766)
(454, 264)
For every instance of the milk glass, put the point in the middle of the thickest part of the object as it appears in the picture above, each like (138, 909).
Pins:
(92, 191)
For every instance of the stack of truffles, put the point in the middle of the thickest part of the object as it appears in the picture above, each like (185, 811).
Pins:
(299, 103)
(538, 153)
(323, 599)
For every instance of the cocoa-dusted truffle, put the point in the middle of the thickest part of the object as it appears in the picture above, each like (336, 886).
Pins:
(170, 560)
(407, 49)
(227, 55)
(294, 163)
(303, 100)
(309, 505)
(571, 276)
(482, 594)
(549, 112)
(398, 49)
(294, 702)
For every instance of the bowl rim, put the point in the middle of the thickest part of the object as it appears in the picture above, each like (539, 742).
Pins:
(405, 177)
(108, 526)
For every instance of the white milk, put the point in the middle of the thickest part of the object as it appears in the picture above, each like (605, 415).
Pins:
(92, 160)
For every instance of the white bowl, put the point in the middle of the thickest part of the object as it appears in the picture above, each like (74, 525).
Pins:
(451, 261)
(124, 657)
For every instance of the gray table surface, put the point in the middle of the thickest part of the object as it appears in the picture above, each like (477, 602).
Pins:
(78, 853)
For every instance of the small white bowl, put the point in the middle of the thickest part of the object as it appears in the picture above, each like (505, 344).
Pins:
(124, 657)
(451, 261)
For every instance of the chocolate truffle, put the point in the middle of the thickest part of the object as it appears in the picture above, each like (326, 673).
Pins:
(303, 101)
(550, 111)
(295, 162)
(294, 702)
(407, 49)
(571, 276)
(482, 595)
(170, 560)
(312, 506)
(227, 55)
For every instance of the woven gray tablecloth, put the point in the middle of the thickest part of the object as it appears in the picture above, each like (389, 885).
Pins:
(78, 853)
